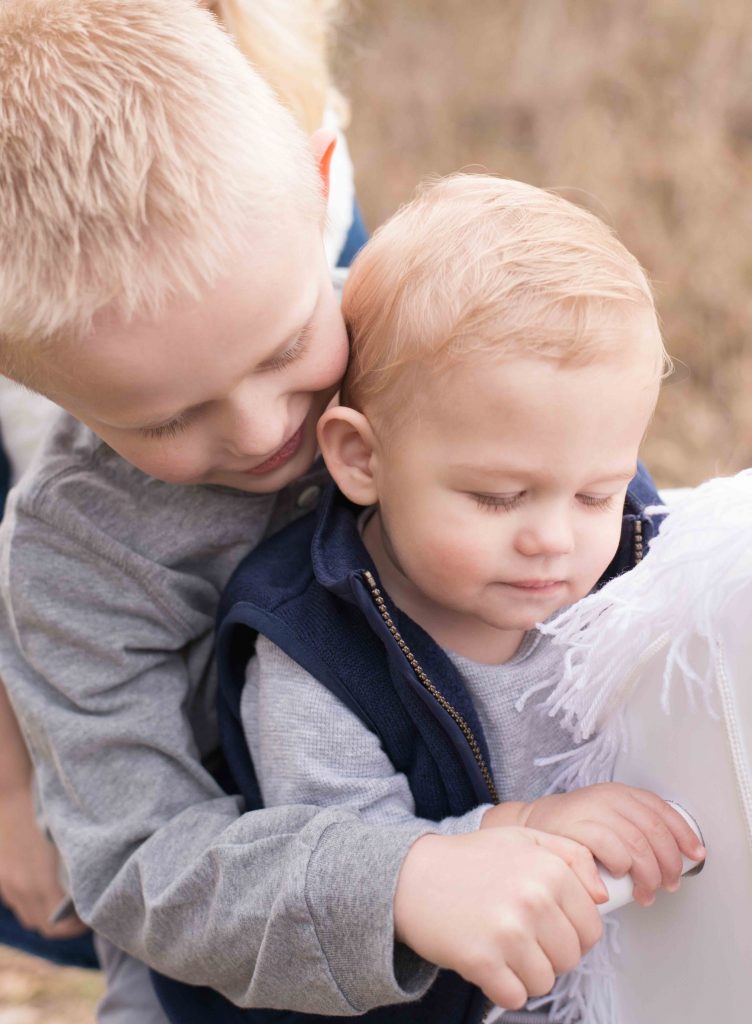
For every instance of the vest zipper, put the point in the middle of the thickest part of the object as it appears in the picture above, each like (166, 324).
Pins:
(438, 696)
(426, 683)
(639, 546)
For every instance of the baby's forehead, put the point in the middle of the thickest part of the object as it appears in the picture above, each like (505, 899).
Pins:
(526, 420)
(618, 341)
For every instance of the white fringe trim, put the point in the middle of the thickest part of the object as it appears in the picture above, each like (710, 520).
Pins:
(672, 603)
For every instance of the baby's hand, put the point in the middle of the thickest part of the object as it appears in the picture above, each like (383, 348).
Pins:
(629, 830)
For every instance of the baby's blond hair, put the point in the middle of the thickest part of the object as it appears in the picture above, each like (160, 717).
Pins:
(476, 263)
(138, 149)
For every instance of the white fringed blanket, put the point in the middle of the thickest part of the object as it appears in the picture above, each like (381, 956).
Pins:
(655, 691)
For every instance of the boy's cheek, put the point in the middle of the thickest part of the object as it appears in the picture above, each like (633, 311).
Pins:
(173, 466)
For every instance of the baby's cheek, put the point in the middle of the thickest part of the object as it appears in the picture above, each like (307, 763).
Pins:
(597, 552)
(456, 559)
(603, 545)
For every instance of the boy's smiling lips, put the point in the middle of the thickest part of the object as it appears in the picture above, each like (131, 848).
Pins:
(283, 454)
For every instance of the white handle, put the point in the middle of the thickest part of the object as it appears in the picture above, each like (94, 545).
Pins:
(620, 889)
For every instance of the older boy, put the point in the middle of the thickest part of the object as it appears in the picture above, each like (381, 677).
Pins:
(162, 278)
(505, 363)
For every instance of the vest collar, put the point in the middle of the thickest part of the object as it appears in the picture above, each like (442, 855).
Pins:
(338, 554)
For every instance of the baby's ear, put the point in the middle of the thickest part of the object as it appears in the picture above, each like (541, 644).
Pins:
(348, 443)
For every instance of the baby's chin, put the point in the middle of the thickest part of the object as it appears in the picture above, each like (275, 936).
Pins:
(526, 618)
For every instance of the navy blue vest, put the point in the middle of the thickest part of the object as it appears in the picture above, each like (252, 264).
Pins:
(4, 477)
(313, 590)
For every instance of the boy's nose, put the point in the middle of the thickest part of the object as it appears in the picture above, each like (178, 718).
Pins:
(255, 426)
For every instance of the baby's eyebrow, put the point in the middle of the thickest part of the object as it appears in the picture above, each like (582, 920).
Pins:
(618, 477)
(523, 473)
(489, 469)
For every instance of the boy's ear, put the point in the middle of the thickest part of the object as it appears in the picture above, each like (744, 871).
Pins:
(348, 445)
(323, 142)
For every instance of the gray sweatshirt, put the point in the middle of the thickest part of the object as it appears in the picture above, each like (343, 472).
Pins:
(110, 582)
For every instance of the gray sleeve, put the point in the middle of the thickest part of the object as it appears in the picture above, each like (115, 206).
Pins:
(266, 907)
(308, 747)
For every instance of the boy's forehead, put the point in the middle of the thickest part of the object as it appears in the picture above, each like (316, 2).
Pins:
(156, 363)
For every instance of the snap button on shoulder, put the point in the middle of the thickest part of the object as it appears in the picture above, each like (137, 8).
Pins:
(308, 496)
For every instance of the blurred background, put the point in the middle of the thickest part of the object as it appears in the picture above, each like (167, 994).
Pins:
(639, 109)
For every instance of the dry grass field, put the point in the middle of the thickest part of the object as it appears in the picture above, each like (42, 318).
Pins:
(33, 992)
(642, 110)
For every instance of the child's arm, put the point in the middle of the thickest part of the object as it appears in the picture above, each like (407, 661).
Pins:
(629, 830)
(308, 747)
(29, 881)
(101, 650)
(165, 865)
(507, 908)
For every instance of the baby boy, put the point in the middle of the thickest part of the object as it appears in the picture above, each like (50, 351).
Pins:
(506, 361)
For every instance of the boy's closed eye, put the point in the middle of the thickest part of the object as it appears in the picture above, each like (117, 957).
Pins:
(170, 429)
(177, 424)
(292, 352)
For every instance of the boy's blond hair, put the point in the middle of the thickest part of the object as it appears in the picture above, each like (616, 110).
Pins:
(288, 41)
(477, 263)
(138, 148)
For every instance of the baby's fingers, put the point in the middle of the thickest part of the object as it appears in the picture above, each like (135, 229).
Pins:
(686, 837)
(651, 822)
(606, 845)
(640, 839)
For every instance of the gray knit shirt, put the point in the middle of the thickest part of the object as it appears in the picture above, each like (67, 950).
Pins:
(110, 581)
(307, 745)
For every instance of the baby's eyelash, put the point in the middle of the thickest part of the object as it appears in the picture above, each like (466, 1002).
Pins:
(500, 503)
(294, 352)
(497, 503)
(592, 502)
(171, 429)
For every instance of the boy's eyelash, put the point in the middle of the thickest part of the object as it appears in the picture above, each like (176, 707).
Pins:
(174, 427)
(496, 503)
(294, 352)
(171, 429)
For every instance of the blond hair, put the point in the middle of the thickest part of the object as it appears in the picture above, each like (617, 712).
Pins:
(288, 41)
(139, 147)
(481, 264)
